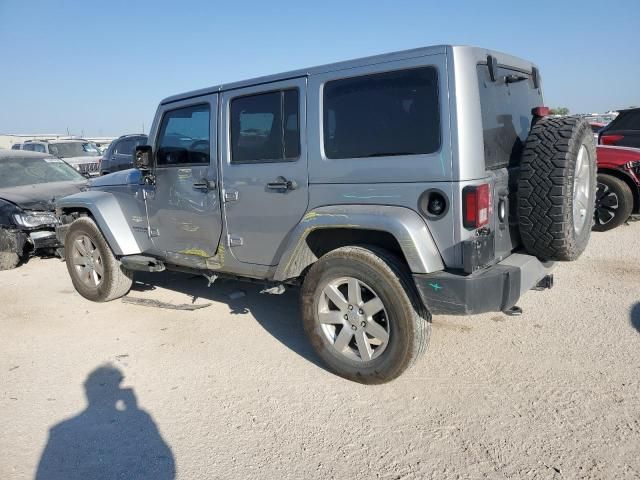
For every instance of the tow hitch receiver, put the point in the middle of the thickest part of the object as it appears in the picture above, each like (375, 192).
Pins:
(514, 311)
(545, 283)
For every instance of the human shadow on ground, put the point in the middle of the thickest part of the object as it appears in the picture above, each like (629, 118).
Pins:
(111, 438)
(279, 315)
(635, 317)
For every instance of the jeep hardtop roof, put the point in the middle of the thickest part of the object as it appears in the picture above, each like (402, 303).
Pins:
(480, 53)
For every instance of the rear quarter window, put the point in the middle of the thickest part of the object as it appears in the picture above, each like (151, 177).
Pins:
(506, 115)
(385, 114)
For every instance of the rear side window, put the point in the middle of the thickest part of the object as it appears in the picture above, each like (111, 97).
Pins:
(265, 127)
(125, 147)
(627, 121)
(386, 114)
(34, 147)
(184, 136)
(506, 115)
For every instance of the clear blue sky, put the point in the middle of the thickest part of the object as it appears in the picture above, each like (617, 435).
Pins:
(102, 66)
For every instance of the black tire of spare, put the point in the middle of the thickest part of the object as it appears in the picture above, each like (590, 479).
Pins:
(117, 280)
(409, 319)
(624, 195)
(545, 188)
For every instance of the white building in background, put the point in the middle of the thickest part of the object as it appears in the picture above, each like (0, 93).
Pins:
(8, 140)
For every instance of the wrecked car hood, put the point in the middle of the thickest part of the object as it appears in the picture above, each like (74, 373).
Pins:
(40, 196)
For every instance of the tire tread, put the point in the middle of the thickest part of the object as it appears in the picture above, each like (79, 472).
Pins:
(545, 188)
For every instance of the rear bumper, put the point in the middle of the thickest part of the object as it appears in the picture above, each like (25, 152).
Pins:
(494, 289)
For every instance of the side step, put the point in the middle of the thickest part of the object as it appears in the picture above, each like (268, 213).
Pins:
(141, 263)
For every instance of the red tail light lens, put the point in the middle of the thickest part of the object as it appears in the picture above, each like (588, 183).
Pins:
(540, 111)
(475, 201)
(610, 139)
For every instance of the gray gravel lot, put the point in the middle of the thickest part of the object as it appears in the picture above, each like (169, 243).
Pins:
(234, 391)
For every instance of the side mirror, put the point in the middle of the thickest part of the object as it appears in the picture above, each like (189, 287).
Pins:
(142, 157)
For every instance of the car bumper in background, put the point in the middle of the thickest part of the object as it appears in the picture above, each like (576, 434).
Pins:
(44, 239)
(494, 289)
(14, 241)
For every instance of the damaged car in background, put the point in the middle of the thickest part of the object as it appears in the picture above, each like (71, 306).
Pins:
(81, 154)
(30, 183)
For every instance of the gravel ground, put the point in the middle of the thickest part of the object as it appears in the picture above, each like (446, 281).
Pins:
(234, 391)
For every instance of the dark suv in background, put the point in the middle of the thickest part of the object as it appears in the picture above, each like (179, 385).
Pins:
(119, 155)
(623, 131)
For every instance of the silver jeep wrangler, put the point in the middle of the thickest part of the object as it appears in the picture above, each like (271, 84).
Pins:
(388, 188)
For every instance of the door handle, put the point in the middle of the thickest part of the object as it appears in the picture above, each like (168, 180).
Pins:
(282, 183)
(204, 184)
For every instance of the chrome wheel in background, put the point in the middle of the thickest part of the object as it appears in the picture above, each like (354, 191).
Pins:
(607, 204)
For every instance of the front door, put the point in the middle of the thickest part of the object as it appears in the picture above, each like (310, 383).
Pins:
(185, 218)
(264, 167)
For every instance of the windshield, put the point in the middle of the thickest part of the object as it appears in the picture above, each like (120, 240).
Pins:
(16, 172)
(73, 149)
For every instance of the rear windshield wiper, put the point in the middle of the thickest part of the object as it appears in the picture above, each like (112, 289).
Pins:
(514, 78)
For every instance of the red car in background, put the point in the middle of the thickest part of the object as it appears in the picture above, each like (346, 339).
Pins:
(618, 193)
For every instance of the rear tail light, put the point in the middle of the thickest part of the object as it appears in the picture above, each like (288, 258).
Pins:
(610, 139)
(540, 111)
(475, 201)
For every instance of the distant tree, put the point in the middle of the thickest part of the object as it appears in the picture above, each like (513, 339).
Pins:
(559, 111)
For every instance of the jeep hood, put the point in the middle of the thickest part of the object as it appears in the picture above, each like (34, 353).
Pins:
(124, 177)
(40, 196)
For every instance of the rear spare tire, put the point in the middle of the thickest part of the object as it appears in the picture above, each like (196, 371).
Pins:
(556, 189)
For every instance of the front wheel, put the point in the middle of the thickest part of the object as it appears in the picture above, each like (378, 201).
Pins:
(614, 203)
(96, 273)
(363, 315)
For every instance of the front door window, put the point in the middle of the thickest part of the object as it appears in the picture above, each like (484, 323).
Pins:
(184, 136)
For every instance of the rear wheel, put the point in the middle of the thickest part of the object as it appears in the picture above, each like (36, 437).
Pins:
(614, 203)
(95, 272)
(363, 315)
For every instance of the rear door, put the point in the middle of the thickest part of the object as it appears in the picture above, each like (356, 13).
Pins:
(506, 121)
(264, 167)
